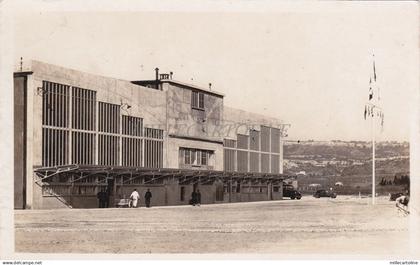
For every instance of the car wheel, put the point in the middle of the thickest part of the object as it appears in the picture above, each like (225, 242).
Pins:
(298, 198)
(292, 197)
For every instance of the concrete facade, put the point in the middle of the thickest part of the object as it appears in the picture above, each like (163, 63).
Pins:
(199, 132)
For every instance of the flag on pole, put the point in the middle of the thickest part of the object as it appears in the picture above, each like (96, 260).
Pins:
(382, 121)
(371, 109)
(374, 70)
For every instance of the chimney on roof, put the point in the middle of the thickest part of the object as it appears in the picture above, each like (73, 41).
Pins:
(209, 86)
(157, 73)
(170, 74)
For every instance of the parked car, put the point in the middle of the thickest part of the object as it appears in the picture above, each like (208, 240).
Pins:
(325, 193)
(395, 195)
(289, 191)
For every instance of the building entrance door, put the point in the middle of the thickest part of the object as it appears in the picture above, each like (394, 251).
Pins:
(219, 192)
(182, 198)
(110, 191)
(270, 191)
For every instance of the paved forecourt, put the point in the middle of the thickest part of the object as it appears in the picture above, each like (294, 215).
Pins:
(343, 226)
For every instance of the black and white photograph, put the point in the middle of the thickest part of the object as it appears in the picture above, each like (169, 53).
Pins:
(210, 130)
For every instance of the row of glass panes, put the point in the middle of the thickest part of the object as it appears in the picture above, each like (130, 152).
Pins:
(197, 100)
(267, 140)
(195, 156)
(56, 149)
(55, 112)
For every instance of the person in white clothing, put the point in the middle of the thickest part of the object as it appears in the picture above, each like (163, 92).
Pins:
(402, 204)
(134, 198)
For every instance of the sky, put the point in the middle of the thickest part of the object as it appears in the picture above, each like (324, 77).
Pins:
(307, 65)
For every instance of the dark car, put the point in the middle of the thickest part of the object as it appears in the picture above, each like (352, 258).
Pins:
(289, 191)
(325, 193)
(394, 196)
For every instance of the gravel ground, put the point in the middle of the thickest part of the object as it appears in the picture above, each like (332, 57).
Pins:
(342, 226)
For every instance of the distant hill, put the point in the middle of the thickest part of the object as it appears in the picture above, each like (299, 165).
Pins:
(326, 163)
(344, 150)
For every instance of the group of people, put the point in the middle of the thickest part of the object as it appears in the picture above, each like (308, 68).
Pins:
(135, 197)
(195, 198)
(103, 197)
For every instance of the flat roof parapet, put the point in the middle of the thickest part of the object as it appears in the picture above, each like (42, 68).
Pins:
(178, 83)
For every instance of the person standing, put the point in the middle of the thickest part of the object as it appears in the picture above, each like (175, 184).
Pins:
(102, 198)
(198, 194)
(107, 194)
(134, 198)
(147, 198)
(402, 203)
(194, 198)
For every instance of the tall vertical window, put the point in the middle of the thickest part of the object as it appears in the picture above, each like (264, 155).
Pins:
(187, 157)
(257, 152)
(83, 148)
(242, 161)
(54, 147)
(132, 145)
(201, 100)
(153, 148)
(109, 118)
(242, 155)
(83, 125)
(132, 125)
(275, 140)
(204, 158)
(55, 104)
(229, 154)
(109, 129)
(83, 109)
(265, 139)
(197, 100)
(108, 150)
(55, 123)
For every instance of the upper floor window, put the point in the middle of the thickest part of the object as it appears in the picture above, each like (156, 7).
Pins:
(195, 157)
(197, 100)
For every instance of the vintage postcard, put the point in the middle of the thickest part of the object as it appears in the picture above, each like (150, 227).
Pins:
(210, 129)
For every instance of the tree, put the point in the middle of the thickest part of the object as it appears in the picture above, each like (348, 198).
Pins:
(382, 183)
(396, 180)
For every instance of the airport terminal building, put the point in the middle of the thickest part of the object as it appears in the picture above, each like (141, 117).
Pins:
(78, 133)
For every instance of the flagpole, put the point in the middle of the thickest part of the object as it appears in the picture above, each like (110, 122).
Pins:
(373, 160)
(372, 109)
